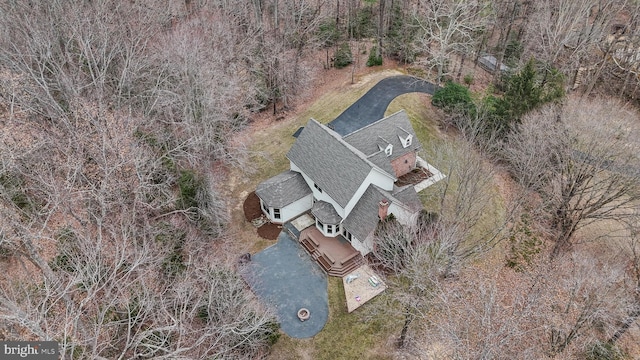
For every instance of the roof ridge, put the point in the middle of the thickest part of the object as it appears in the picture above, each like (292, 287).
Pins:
(405, 131)
(385, 140)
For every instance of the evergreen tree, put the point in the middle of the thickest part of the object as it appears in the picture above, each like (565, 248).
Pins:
(524, 91)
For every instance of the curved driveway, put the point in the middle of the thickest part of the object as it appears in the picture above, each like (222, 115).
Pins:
(372, 105)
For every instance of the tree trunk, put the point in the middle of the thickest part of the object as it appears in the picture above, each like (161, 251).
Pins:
(462, 57)
(380, 29)
(631, 318)
(405, 328)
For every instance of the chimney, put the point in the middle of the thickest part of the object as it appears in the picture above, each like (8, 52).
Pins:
(383, 207)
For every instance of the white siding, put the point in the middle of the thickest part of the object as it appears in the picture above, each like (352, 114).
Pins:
(296, 208)
(290, 211)
(324, 230)
(375, 177)
(404, 216)
(364, 247)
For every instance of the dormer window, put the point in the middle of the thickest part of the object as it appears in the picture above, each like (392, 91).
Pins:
(407, 142)
(388, 150)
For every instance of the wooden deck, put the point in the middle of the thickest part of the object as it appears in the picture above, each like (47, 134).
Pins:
(335, 255)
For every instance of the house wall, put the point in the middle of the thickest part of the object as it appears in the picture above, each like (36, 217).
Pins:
(375, 177)
(365, 246)
(296, 208)
(404, 164)
(324, 227)
(290, 211)
(403, 215)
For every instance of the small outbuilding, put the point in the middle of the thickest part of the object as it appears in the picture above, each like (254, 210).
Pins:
(490, 63)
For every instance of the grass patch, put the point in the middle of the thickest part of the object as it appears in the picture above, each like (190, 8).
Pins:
(418, 109)
(346, 336)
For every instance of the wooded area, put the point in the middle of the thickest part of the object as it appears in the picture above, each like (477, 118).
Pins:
(117, 129)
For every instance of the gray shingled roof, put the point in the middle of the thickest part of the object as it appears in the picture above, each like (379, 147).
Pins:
(408, 196)
(326, 213)
(385, 130)
(381, 159)
(363, 219)
(283, 189)
(335, 166)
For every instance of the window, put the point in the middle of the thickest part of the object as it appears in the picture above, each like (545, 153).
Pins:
(388, 150)
(319, 225)
(276, 213)
(348, 235)
(317, 187)
(265, 207)
(329, 229)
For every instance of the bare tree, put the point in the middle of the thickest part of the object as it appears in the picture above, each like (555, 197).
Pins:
(631, 281)
(447, 28)
(467, 222)
(557, 308)
(583, 167)
(468, 203)
(566, 35)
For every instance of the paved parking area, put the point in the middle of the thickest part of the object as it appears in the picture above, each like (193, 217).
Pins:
(286, 278)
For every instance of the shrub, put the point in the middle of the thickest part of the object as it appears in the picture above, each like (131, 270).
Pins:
(13, 185)
(173, 240)
(374, 59)
(173, 265)
(189, 184)
(454, 98)
(468, 79)
(343, 56)
(524, 245)
(362, 25)
(604, 351)
(513, 52)
(68, 251)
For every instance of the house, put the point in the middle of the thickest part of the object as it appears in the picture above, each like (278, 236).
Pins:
(347, 183)
(490, 63)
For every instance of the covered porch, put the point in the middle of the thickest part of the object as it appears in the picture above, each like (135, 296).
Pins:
(334, 254)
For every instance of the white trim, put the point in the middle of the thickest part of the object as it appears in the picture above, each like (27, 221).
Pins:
(388, 150)
(436, 175)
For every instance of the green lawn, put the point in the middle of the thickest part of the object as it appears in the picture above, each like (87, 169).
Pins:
(346, 336)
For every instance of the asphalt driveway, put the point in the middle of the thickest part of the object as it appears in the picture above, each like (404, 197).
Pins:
(286, 278)
(372, 105)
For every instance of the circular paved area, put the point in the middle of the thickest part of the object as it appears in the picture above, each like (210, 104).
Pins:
(372, 105)
(286, 278)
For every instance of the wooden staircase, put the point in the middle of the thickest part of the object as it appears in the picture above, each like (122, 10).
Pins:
(327, 262)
